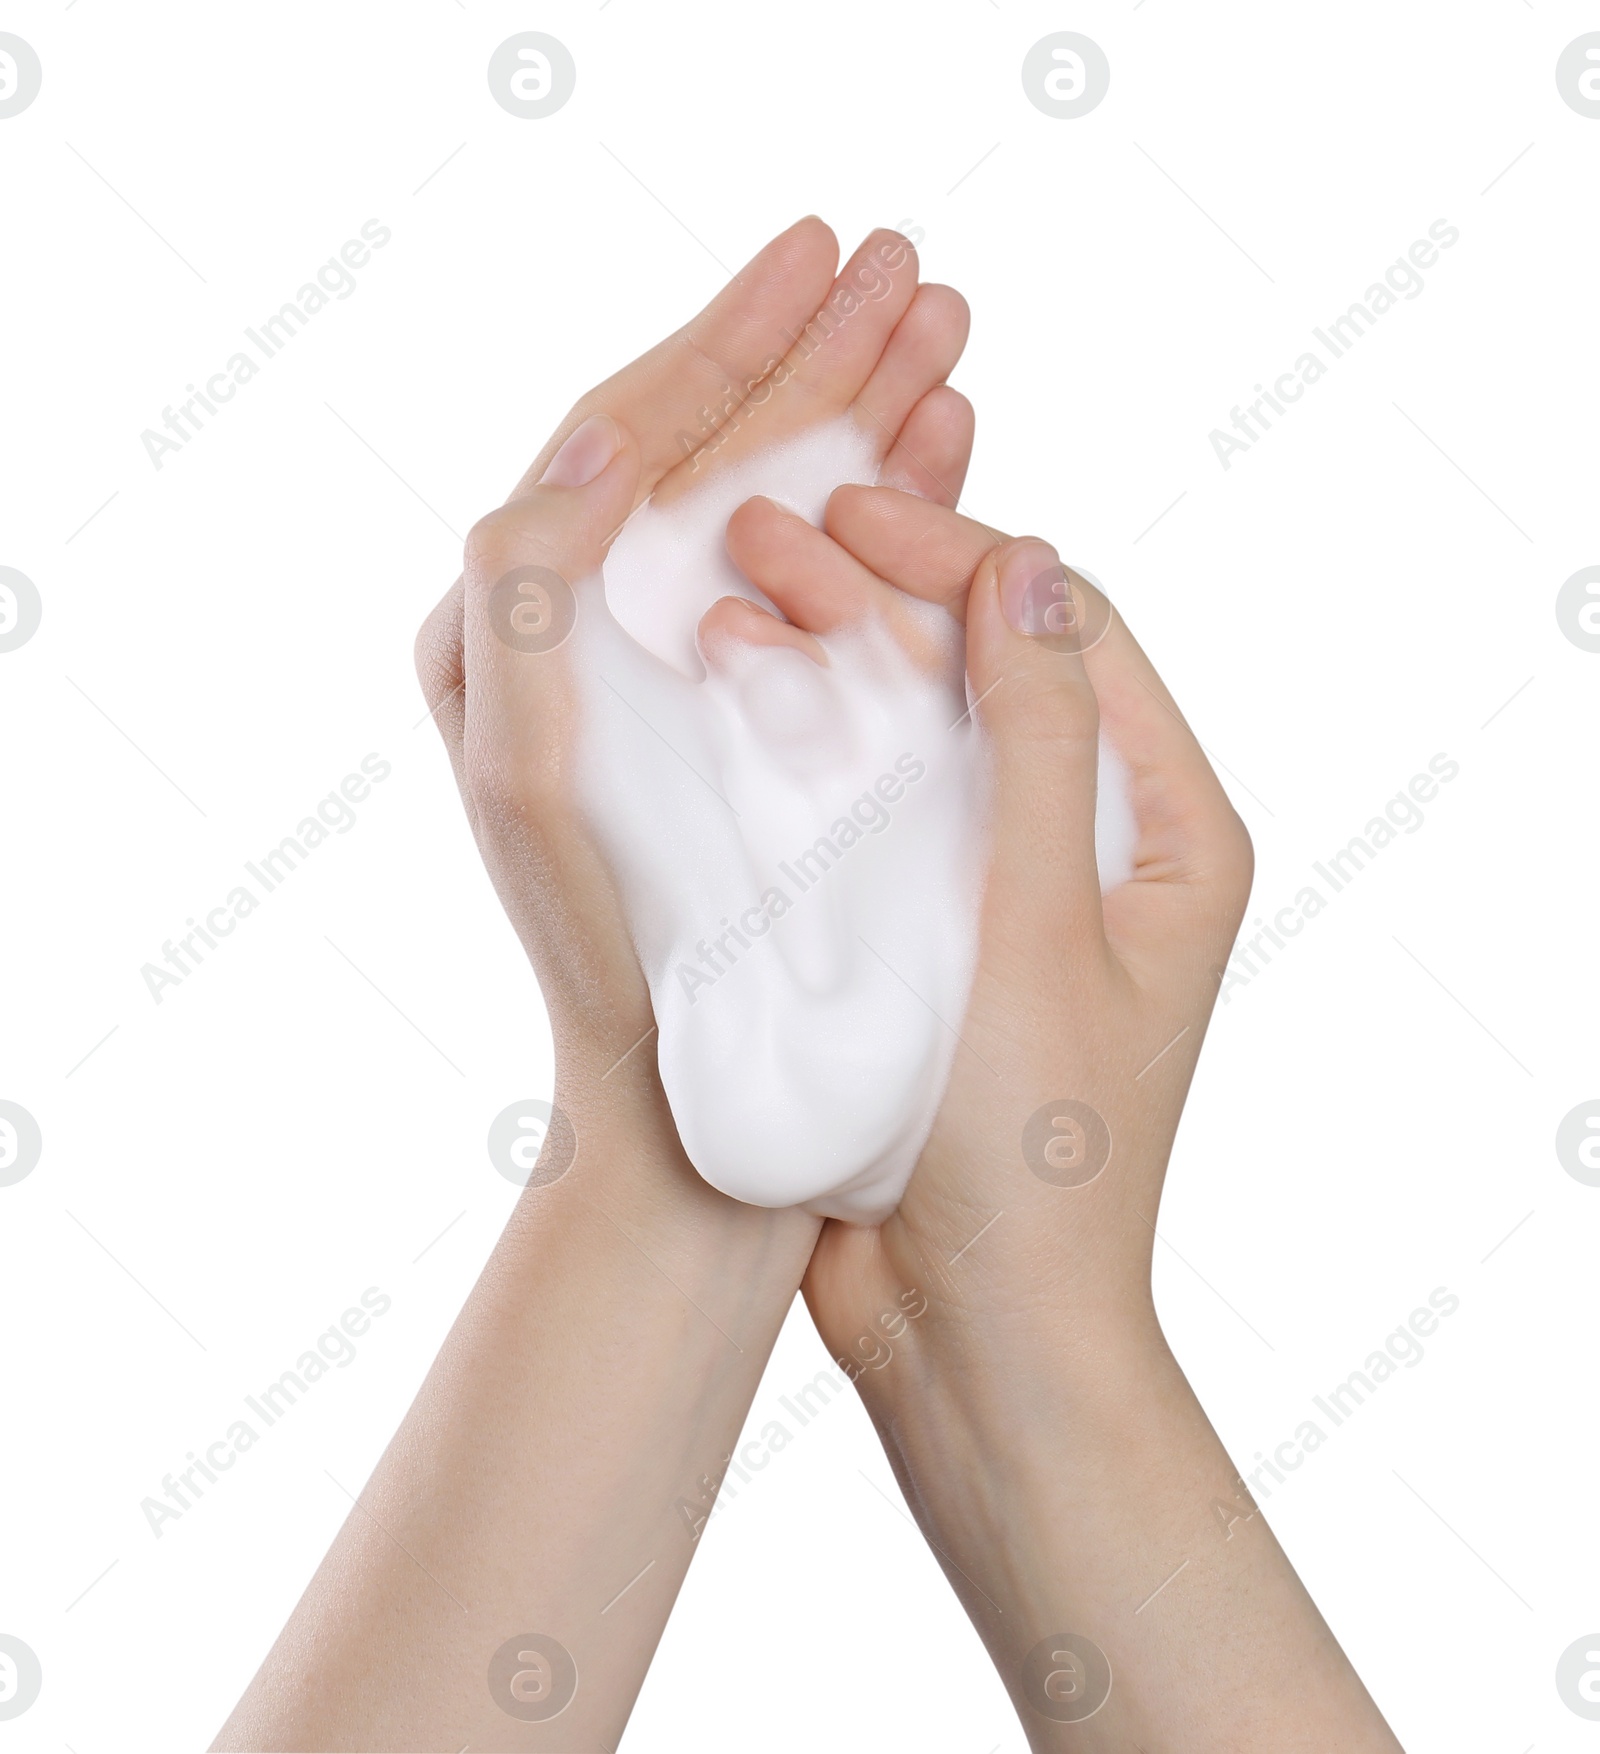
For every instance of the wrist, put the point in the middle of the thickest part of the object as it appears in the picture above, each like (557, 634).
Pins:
(1031, 1464)
(613, 1176)
(1023, 1381)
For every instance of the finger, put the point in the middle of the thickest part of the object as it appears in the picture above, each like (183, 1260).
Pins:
(932, 552)
(831, 358)
(735, 340)
(1187, 830)
(919, 546)
(732, 623)
(519, 603)
(834, 357)
(1033, 698)
(933, 448)
(521, 719)
(1192, 860)
(692, 380)
(922, 351)
(824, 593)
(817, 584)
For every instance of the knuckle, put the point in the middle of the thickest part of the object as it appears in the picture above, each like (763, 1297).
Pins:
(1052, 712)
(425, 659)
(429, 653)
(492, 542)
(501, 539)
(1232, 860)
(436, 654)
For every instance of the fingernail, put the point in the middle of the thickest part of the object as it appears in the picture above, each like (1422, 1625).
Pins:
(1035, 596)
(585, 453)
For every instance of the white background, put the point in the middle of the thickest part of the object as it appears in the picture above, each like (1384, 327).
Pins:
(226, 638)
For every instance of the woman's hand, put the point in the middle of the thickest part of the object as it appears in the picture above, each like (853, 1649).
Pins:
(871, 342)
(1000, 1324)
(1090, 1007)
(512, 1561)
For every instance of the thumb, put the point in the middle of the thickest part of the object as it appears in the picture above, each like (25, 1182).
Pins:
(1027, 629)
(519, 608)
(523, 564)
(521, 707)
(524, 559)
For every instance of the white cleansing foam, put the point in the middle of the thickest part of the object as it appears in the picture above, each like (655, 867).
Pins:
(800, 849)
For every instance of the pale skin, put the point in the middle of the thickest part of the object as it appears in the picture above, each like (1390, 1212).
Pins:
(555, 1470)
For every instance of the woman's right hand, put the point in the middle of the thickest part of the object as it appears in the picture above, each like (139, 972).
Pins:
(1000, 1324)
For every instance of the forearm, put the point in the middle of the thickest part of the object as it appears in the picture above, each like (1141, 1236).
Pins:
(550, 1478)
(1073, 1485)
